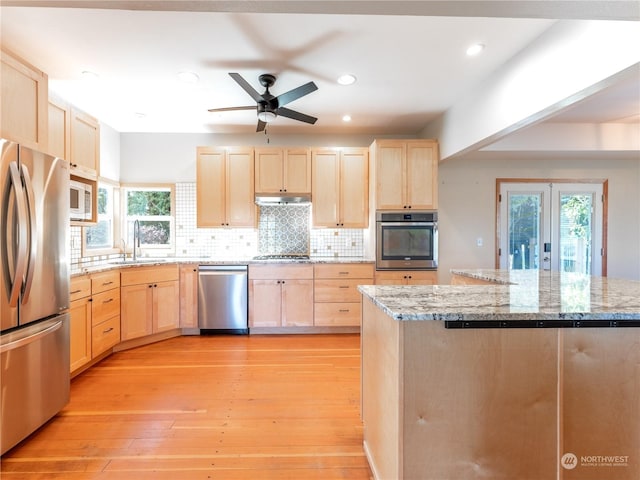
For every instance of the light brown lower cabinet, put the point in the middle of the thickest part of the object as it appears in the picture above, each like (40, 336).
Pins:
(80, 322)
(189, 296)
(406, 277)
(94, 316)
(150, 300)
(336, 295)
(280, 296)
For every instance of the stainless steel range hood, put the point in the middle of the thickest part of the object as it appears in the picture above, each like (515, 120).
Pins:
(282, 198)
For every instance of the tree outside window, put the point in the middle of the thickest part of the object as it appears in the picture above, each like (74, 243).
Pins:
(100, 237)
(152, 207)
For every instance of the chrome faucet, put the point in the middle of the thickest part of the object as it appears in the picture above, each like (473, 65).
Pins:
(136, 239)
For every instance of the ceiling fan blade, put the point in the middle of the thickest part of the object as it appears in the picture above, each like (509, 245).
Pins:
(245, 85)
(296, 93)
(261, 126)
(231, 109)
(285, 112)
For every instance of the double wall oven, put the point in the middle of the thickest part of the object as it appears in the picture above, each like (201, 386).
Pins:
(407, 240)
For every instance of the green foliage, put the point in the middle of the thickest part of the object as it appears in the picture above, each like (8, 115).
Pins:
(577, 210)
(148, 203)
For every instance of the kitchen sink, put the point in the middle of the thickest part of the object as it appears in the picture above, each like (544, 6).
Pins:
(139, 261)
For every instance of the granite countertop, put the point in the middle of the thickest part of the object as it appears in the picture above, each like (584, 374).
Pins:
(148, 261)
(542, 299)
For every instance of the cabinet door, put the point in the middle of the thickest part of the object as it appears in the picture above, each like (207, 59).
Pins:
(105, 335)
(210, 187)
(422, 175)
(269, 170)
(165, 306)
(188, 296)
(354, 189)
(80, 332)
(265, 308)
(297, 171)
(390, 175)
(325, 181)
(59, 128)
(240, 196)
(23, 94)
(422, 278)
(85, 144)
(297, 303)
(136, 309)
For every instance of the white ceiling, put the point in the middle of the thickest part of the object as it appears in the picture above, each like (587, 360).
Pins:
(410, 68)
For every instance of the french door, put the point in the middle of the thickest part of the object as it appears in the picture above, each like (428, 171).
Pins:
(551, 226)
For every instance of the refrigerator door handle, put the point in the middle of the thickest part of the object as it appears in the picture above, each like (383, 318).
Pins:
(20, 342)
(32, 237)
(20, 256)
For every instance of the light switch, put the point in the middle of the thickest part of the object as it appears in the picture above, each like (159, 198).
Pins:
(479, 241)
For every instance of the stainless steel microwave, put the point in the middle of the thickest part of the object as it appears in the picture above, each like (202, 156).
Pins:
(407, 240)
(80, 200)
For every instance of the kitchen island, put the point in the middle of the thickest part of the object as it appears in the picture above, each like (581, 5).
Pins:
(528, 376)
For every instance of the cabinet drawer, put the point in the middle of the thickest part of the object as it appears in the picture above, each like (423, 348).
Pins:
(105, 281)
(140, 275)
(337, 314)
(338, 290)
(105, 305)
(344, 270)
(280, 272)
(105, 335)
(80, 287)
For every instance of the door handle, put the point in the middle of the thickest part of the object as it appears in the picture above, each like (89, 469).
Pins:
(20, 257)
(33, 239)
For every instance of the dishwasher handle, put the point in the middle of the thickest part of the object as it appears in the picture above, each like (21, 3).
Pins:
(212, 269)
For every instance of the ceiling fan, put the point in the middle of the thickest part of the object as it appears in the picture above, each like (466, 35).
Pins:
(269, 106)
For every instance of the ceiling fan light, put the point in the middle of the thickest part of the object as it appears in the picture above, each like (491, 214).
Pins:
(266, 116)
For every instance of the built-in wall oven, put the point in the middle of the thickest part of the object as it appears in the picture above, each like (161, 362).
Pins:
(407, 240)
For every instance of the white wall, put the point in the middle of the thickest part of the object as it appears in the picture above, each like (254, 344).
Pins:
(109, 153)
(171, 157)
(467, 205)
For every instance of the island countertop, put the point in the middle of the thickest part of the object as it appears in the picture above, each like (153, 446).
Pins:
(515, 298)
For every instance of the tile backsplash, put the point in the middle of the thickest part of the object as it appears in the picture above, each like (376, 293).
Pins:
(281, 229)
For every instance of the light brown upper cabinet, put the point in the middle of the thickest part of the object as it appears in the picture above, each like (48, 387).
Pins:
(340, 187)
(224, 187)
(59, 127)
(23, 95)
(84, 155)
(406, 174)
(281, 170)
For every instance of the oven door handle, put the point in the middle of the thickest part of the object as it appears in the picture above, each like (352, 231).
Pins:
(408, 224)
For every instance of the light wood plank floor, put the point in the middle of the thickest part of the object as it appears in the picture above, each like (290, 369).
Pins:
(215, 407)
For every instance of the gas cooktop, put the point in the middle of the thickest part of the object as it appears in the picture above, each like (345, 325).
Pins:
(281, 256)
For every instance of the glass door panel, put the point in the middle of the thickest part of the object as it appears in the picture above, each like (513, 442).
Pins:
(551, 226)
(524, 231)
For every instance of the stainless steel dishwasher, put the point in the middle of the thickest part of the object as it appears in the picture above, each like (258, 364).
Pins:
(222, 299)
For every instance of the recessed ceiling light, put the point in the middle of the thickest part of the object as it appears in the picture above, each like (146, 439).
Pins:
(346, 118)
(346, 79)
(188, 77)
(89, 75)
(475, 49)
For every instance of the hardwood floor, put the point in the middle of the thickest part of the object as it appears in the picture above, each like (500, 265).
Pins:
(215, 407)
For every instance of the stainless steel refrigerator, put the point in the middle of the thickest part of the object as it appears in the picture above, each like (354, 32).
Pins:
(34, 290)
